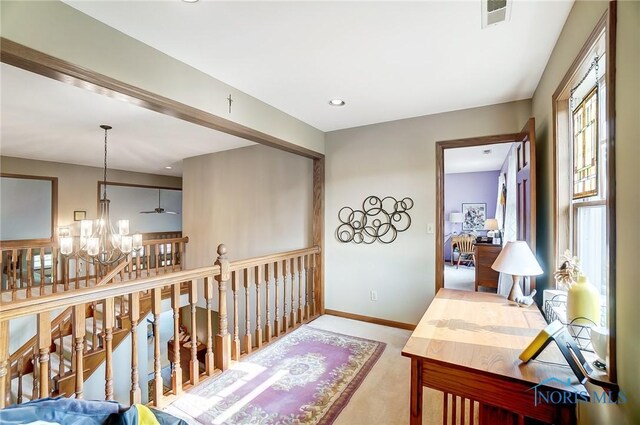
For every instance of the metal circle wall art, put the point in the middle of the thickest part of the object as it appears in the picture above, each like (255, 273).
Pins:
(378, 220)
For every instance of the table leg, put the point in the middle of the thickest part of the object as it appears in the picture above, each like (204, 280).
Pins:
(415, 407)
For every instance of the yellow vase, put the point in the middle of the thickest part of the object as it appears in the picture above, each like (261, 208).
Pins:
(583, 301)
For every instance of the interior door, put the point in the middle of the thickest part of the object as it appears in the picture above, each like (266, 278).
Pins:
(526, 184)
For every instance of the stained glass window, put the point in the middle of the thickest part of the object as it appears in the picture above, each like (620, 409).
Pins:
(585, 147)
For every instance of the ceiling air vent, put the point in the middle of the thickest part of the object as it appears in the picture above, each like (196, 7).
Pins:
(495, 12)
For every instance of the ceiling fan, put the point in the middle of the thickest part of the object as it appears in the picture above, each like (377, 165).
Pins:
(159, 210)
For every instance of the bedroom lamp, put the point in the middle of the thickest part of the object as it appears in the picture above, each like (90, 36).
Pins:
(517, 260)
(456, 218)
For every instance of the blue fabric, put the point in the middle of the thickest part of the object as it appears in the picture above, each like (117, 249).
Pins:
(65, 411)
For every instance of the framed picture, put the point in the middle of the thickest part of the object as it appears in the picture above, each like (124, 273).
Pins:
(79, 215)
(474, 216)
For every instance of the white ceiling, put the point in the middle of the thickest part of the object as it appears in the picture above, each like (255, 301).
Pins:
(52, 121)
(387, 60)
(472, 159)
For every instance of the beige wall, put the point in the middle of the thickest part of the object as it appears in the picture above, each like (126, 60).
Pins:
(78, 185)
(256, 200)
(395, 159)
(579, 25)
(59, 30)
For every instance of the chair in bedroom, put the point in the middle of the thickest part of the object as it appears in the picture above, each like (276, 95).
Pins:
(465, 245)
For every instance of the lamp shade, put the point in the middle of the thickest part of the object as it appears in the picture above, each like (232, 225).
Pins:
(456, 217)
(491, 224)
(517, 259)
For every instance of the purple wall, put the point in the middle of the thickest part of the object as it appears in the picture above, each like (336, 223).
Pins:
(459, 188)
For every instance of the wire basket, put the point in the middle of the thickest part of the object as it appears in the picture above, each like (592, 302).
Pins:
(579, 328)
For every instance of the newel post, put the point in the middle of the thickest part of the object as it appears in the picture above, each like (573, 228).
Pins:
(223, 338)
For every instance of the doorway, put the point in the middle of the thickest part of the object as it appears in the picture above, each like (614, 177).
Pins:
(475, 213)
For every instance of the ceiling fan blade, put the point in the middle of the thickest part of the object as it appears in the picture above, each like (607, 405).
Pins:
(171, 212)
(147, 212)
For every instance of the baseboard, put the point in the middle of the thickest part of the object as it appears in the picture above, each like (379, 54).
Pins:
(369, 319)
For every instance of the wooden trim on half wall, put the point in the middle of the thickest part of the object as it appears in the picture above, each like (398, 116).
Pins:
(318, 229)
(369, 319)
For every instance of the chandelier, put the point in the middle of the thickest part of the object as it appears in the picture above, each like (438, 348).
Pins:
(98, 241)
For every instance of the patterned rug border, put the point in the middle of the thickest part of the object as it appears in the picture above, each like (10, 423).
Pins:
(341, 402)
(343, 399)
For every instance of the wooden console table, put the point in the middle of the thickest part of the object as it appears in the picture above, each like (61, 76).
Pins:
(467, 346)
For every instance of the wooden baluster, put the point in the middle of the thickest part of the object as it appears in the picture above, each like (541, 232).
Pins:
(267, 328)
(43, 277)
(294, 274)
(223, 338)
(257, 273)
(60, 351)
(35, 392)
(182, 254)
(77, 278)
(285, 316)
(5, 377)
(79, 332)
(54, 270)
(176, 375)
(20, 364)
(235, 344)
(300, 276)
(277, 274)
(148, 255)
(108, 323)
(135, 395)
(163, 251)
(247, 313)
(29, 272)
(312, 274)
(156, 249)
(94, 324)
(14, 269)
(44, 344)
(194, 364)
(156, 309)
(307, 291)
(138, 265)
(172, 255)
(66, 272)
(208, 295)
(87, 273)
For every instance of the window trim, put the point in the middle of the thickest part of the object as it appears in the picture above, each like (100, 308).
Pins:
(606, 24)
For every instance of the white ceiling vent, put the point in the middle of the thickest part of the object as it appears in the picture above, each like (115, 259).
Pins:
(495, 12)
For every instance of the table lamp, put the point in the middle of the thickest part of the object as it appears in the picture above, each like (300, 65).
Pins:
(456, 217)
(491, 224)
(517, 260)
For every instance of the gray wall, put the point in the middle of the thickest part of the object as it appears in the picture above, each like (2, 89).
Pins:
(395, 159)
(256, 200)
(580, 23)
(78, 184)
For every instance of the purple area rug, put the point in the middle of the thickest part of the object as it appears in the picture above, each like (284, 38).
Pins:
(306, 377)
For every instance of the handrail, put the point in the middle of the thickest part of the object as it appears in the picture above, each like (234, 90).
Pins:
(77, 296)
(184, 239)
(271, 258)
(60, 318)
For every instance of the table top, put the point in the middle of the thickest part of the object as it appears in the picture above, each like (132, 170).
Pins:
(483, 332)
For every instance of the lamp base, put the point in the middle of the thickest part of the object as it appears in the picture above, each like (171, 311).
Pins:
(516, 291)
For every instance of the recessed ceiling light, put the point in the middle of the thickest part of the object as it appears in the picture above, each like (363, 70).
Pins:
(168, 167)
(191, 1)
(337, 102)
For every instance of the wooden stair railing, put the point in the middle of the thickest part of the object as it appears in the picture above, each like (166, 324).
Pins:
(293, 270)
(167, 255)
(40, 269)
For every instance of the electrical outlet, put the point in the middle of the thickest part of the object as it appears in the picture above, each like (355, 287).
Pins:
(430, 228)
(374, 295)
